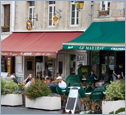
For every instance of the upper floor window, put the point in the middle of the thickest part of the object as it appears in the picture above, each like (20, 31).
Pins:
(74, 14)
(6, 27)
(31, 11)
(51, 12)
(104, 8)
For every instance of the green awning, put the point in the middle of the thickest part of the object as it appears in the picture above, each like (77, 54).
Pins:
(100, 36)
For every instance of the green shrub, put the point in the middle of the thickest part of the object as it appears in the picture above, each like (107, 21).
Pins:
(11, 87)
(37, 89)
(115, 91)
(2, 86)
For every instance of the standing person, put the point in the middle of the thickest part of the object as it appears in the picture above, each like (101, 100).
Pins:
(118, 73)
(39, 77)
(47, 72)
(61, 82)
(12, 77)
(28, 78)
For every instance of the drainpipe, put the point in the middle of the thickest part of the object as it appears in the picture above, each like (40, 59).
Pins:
(14, 16)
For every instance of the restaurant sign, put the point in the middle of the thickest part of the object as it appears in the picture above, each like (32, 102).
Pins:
(84, 47)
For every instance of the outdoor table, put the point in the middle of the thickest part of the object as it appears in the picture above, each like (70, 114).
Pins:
(89, 93)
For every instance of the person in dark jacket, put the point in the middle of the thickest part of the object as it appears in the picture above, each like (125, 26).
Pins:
(47, 72)
(92, 74)
(105, 77)
(118, 73)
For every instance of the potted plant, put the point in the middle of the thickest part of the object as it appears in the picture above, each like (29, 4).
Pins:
(115, 97)
(103, 12)
(5, 28)
(38, 95)
(10, 93)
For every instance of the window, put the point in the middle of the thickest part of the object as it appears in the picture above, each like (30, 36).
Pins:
(6, 27)
(31, 11)
(51, 12)
(74, 14)
(104, 7)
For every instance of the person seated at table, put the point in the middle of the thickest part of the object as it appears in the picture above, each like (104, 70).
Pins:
(28, 78)
(39, 77)
(29, 82)
(104, 77)
(92, 74)
(61, 82)
(50, 82)
(12, 77)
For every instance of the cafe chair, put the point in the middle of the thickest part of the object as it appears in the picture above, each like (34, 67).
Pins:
(53, 89)
(21, 88)
(63, 93)
(90, 81)
(84, 99)
(96, 98)
(105, 85)
(89, 88)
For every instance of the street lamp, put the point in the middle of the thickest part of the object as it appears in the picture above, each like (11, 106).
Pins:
(79, 4)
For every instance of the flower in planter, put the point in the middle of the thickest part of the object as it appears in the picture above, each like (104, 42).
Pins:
(5, 27)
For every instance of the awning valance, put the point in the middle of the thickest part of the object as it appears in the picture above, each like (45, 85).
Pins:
(36, 43)
(100, 36)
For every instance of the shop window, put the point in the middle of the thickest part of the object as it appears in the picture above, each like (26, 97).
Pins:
(72, 64)
(31, 11)
(51, 12)
(29, 65)
(104, 8)
(74, 14)
(6, 27)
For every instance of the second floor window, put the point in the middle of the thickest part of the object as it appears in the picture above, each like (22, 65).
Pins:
(31, 11)
(74, 14)
(104, 7)
(51, 12)
(6, 25)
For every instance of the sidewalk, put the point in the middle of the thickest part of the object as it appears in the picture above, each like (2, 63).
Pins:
(23, 110)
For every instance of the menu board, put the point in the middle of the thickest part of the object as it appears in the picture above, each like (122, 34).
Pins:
(84, 71)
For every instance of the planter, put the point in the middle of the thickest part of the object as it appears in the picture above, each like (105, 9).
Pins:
(5, 29)
(109, 106)
(45, 102)
(103, 13)
(11, 99)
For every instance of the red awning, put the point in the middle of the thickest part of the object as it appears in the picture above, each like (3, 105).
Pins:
(36, 43)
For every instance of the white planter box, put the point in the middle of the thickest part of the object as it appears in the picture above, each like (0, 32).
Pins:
(11, 99)
(45, 102)
(109, 106)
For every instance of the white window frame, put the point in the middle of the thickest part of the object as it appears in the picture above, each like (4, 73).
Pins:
(53, 13)
(33, 11)
(75, 22)
(106, 5)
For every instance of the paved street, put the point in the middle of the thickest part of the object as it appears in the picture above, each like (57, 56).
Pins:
(23, 110)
